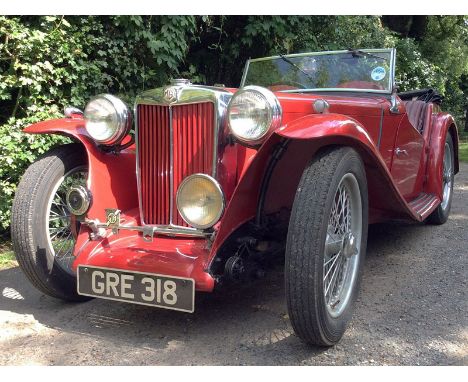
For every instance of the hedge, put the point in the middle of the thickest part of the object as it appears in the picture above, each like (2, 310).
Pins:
(49, 62)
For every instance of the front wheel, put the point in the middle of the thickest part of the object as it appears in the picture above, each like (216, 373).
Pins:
(326, 245)
(43, 231)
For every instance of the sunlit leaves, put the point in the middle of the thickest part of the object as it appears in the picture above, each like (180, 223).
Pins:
(49, 62)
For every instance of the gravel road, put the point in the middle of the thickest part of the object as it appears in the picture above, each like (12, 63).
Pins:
(413, 310)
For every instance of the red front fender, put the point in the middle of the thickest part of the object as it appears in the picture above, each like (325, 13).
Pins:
(112, 182)
(111, 178)
(337, 129)
(308, 135)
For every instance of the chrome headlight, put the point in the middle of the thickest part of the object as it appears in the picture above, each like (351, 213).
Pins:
(252, 113)
(200, 200)
(108, 119)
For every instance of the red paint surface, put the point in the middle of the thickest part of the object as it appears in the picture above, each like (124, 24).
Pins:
(352, 121)
(182, 257)
(441, 123)
(111, 177)
(406, 169)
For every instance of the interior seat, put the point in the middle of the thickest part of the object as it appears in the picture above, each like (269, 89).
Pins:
(419, 114)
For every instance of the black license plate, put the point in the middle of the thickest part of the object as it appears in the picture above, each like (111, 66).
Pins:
(137, 287)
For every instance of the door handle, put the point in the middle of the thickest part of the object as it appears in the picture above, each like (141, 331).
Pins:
(400, 152)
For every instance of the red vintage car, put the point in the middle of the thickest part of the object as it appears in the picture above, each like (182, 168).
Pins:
(201, 187)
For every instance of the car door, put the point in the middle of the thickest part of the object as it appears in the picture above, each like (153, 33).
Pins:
(406, 167)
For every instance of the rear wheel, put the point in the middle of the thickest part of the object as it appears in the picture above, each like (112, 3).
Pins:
(43, 230)
(326, 246)
(442, 212)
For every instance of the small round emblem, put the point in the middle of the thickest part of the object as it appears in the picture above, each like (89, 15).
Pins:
(170, 94)
(378, 73)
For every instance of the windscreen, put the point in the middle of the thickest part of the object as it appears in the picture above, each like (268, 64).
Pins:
(362, 70)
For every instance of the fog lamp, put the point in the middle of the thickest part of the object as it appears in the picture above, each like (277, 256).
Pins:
(200, 200)
(78, 200)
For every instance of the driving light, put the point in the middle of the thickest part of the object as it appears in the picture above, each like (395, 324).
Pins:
(78, 200)
(252, 113)
(108, 119)
(200, 200)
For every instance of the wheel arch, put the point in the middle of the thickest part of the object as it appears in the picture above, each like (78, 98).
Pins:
(382, 203)
(109, 174)
(325, 130)
(442, 124)
(306, 136)
(454, 133)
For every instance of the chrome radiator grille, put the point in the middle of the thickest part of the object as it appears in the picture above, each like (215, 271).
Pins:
(173, 142)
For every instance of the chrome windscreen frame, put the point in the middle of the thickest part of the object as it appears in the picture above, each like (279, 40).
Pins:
(182, 92)
(391, 79)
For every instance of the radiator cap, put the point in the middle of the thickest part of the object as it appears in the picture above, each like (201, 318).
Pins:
(180, 82)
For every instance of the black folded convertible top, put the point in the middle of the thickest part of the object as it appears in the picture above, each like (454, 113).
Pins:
(426, 95)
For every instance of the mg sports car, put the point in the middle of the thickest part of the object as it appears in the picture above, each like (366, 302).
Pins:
(199, 187)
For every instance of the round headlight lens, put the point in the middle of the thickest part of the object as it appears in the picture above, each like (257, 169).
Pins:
(252, 112)
(78, 200)
(108, 119)
(200, 201)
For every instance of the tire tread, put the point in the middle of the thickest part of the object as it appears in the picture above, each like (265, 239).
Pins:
(22, 225)
(304, 235)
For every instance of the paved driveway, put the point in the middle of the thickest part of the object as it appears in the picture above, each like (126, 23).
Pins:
(413, 310)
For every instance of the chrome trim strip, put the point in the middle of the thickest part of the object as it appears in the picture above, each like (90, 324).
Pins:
(244, 75)
(186, 94)
(393, 86)
(323, 53)
(137, 162)
(216, 121)
(380, 127)
(348, 90)
(171, 166)
(392, 67)
(150, 230)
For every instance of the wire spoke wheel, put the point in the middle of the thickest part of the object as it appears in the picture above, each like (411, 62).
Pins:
(441, 214)
(326, 245)
(447, 176)
(341, 258)
(60, 225)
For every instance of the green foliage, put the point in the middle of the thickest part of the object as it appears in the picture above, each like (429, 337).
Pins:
(48, 62)
(7, 256)
(438, 60)
(463, 153)
(415, 72)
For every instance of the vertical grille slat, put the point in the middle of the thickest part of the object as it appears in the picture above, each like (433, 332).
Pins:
(151, 153)
(192, 139)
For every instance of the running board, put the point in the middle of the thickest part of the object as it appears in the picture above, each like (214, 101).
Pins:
(424, 204)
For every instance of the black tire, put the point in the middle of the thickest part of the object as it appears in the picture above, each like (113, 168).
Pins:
(28, 225)
(441, 213)
(304, 265)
